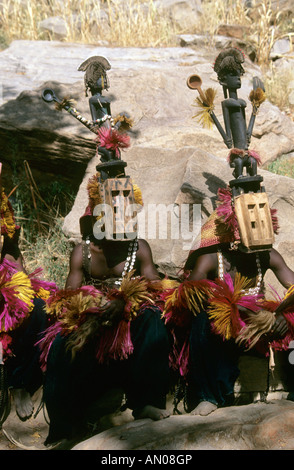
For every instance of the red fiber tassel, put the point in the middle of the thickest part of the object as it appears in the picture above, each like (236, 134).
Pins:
(111, 139)
(115, 343)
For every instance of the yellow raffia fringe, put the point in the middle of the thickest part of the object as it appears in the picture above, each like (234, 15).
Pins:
(164, 284)
(23, 289)
(138, 195)
(289, 292)
(73, 302)
(135, 289)
(43, 294)
(241, 283)
(94, 190)
(7, 218)
(221, 316)
(220, 312)
(193, 296)
(203, 115)
(65, 102)
(22, 285)
(126, 122)
(78, 304)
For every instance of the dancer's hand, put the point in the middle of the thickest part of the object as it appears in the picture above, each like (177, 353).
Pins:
(111, 312)
(280, 326)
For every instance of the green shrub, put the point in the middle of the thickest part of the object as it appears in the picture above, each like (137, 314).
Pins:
(283, 166)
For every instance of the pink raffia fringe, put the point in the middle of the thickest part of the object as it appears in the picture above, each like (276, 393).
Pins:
(6, 340)
(17, 298)
(111, 139)
(112, 342)
(223, 309)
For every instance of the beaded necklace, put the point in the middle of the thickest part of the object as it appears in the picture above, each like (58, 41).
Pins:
(130, 261)
(252, 290)
(128, 266)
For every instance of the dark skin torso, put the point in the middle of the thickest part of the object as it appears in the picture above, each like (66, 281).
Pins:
(102, 268)
(206, 267)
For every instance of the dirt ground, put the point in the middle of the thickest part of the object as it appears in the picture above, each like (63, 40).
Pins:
(16, 434)
(31, 434)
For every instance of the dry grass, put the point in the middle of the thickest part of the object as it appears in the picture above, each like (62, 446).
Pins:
(220, 12)
(263, 24)
(280, 89)
(129, 23)
(139, 23)
(49, 250)
(266, 30)
(39, 210)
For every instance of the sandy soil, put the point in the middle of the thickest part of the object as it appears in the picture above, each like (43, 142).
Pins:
(24, 435)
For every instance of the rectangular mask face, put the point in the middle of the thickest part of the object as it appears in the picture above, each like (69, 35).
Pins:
(118, 196)
(254, 220)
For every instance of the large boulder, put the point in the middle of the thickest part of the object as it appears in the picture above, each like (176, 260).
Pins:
(172, 158)
(182, 13)
(150, 85)
(259, 426)
(187, 175)
(54, 144)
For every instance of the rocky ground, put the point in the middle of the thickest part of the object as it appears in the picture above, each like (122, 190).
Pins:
(256, 426)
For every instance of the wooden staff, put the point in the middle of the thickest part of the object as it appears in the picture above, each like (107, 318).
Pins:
(48, 95)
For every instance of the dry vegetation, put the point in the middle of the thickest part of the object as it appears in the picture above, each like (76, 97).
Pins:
(139, 23)
(129, 23)
(126, 23)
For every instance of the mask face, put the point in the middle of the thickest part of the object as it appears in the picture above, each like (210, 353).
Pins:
(116, 216)
(254, 221)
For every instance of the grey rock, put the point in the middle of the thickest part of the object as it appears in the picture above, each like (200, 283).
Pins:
(284, 63)
(188, 40)
(260, 426)
(280, 47)
(183, 13)
(56, 26)
(232, 30)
